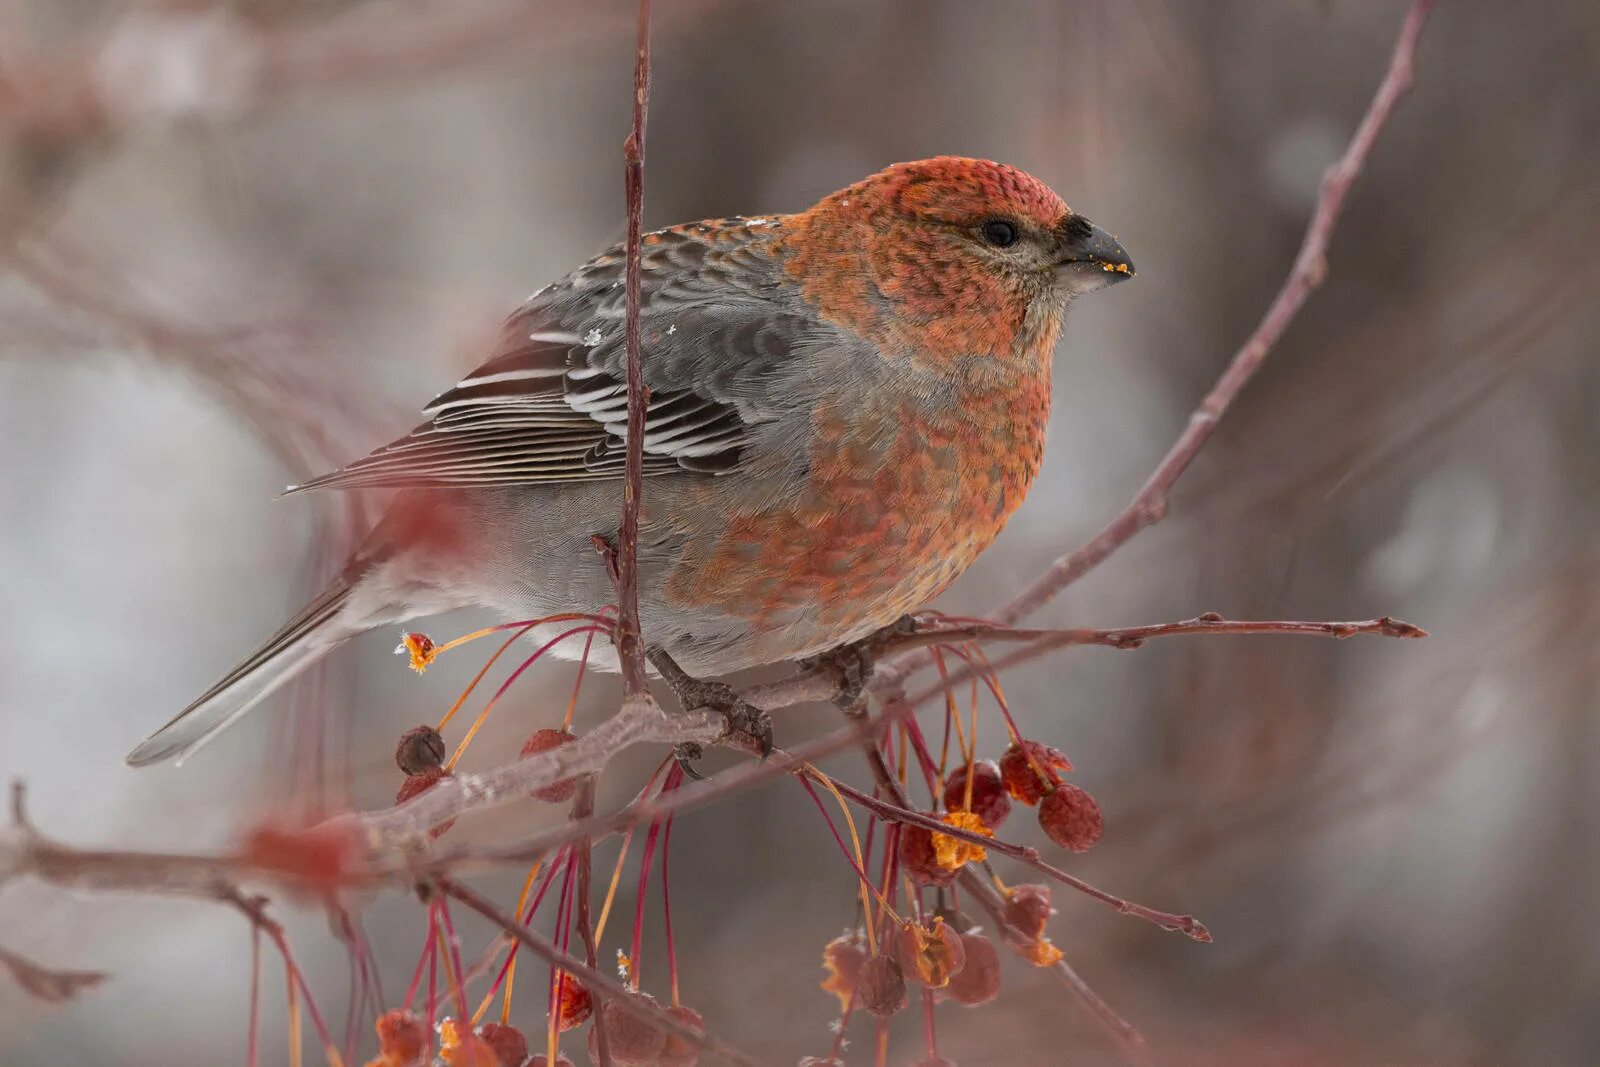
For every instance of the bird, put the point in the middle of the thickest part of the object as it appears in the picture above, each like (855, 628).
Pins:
(845, 405)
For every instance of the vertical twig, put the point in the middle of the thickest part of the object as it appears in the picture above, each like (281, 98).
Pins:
(630, 645)
(582, 808)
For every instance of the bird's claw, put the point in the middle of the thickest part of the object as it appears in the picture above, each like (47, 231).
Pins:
(851, 664)
(685, 756)
(741, 716)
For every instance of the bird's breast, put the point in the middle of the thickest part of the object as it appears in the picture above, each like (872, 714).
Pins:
(900, 495)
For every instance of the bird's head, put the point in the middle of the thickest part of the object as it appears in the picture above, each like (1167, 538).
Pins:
(997, 219)
(981, 254)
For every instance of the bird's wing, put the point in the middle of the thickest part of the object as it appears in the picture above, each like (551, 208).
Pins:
(551, 403)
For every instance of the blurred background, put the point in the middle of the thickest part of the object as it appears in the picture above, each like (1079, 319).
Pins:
(244, 242)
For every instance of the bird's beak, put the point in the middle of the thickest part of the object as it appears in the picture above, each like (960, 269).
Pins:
(1095, 254)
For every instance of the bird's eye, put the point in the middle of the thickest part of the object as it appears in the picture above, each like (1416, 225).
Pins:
(1002, 233)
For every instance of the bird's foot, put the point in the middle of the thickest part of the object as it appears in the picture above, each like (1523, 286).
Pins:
(741, 716)
(851, 664)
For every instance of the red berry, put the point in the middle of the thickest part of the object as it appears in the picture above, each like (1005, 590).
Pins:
(978, 981)
(920, 860)
(543, 741)
(402, 1036)
(990, 802)
(1028, 909)
(632, 1040)
(510, 1047)
(576, 1005)
(842, 959)
(1022, 766)
(930, 955)
(680, 1053)
(1071, 818)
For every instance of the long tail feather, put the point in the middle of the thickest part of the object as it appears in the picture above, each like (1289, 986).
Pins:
(305, 639)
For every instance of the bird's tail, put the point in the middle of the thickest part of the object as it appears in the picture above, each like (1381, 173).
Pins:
(304, 639)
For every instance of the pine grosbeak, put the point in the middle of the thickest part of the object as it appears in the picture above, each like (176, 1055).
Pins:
(846, 404)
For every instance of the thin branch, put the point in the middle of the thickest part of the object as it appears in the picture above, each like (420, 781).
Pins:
(630, 644)
(596, 980)
(1149, 506)
(582, 808)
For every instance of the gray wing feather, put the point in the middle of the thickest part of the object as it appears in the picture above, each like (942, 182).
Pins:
(551, 403)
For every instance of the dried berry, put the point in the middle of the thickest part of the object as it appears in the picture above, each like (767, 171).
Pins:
(416, 784)
(883, 986)
(919, 857)
(507, 1041)
(1071, 818)
(420, 648)
(1022, 767)
(930, 955)
(951, 852)
(631, 1039)
(402, 1037)
(420, 749)
(842, 959)
(990, 801)
(1028, 909)
(978, 981)
(462, 1046)
(680, 1053)
(935, 1061)
(543, 741)
(576, 1005)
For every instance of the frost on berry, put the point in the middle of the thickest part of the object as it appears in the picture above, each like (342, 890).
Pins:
(402, 1038)
(953, 853)
(631, 1038)
(883, 986)
(820, 1061)
(919, 857)
(1028, 909)
(416, 784)
(978, 981)
(930, 955)
(576, 1005)
(543, 741)
(935, 1061)
(678, 1052)
(543, 1061)
(1071, 818)
(990, 801)
(462, 1046)
(842, 959)
(1031, 770)
(509, 1046)
(420, 749)
(318, 860)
